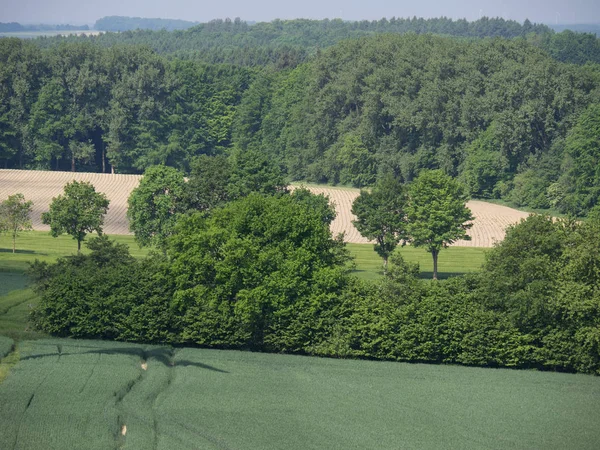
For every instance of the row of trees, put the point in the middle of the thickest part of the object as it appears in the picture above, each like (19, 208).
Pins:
(431, 213)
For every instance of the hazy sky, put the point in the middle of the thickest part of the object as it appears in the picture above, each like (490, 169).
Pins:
(87, 11)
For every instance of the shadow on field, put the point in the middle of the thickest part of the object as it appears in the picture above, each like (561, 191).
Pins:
(441, 275)
(164, 355)
(27, 252)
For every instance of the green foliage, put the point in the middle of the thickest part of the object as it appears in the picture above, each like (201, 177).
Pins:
(243, 273)
(153, 206)
(381, 215)
(484, 166)
(121, 23)
(582, 147)
(207, 185)
(436, 213)
(252, 171)
(15, 215)
(480, 110)
(216, 180)
(79, 211)
(264, 273)
(105, 294)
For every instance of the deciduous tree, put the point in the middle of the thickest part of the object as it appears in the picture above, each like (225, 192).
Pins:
(437, 214)
(80, 210)
(15, 216)
(381, 216)
(154, 204)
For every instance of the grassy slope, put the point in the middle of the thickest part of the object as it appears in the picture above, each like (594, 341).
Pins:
(61, 396)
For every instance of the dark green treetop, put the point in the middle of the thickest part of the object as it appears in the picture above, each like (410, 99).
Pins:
(437, 214)
(80, 210)
(381, 215)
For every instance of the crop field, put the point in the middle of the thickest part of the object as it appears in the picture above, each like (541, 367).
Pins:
(41, 186)
(98, 395)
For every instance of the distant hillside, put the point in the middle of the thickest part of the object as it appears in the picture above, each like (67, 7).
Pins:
(121, 23)
(17, 27)
(578, 27)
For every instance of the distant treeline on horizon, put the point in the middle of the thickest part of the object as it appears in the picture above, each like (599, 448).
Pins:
(14, 27)
(126, 23)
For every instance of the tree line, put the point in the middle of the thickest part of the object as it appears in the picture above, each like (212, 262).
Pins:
(501, 115)
(290, 42)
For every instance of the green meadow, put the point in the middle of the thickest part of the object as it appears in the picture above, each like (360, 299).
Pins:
(40, 245)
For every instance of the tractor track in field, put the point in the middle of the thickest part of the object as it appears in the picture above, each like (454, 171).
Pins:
(489, 225)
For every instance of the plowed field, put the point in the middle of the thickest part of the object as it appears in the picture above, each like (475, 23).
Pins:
(41, 186)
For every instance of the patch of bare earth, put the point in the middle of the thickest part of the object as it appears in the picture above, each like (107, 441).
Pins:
(488, 227)
(41, 186)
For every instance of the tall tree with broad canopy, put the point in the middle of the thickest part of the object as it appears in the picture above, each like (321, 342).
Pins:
(437, 214)
(80, 210)
(15, 216)
(154, 204)
(258, 272)
(381, 216)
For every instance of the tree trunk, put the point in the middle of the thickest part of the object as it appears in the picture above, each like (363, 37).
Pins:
(14, 243)
(435, 254)
(385, 264)
(79, 246)
(72, 163)
(103, 158)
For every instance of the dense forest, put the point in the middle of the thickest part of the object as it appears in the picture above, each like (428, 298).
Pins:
(510, 109)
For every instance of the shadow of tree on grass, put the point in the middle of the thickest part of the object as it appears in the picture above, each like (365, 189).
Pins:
(164, 355)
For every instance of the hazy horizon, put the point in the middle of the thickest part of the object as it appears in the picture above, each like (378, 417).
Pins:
(79, 12)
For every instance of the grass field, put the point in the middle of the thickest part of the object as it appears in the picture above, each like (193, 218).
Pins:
(98, 395)
(451, 262)
(40, 245)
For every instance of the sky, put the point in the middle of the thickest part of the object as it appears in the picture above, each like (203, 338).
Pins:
(88, 11)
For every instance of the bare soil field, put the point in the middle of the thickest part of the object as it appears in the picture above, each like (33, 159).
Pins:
(488, 227)
(41, 186)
